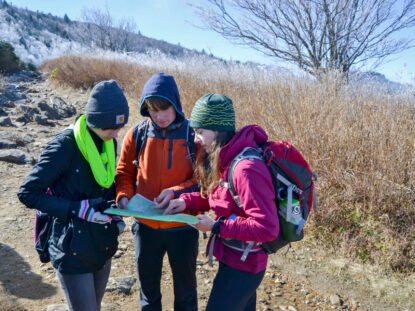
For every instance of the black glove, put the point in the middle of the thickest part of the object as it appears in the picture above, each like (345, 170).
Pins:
(102, 205)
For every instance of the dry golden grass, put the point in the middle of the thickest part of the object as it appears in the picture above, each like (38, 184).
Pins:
(360, 143)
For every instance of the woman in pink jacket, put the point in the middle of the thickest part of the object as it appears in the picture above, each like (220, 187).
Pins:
(236, 231)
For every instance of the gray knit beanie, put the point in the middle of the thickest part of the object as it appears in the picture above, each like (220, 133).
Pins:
(213, 112)
(107, 106)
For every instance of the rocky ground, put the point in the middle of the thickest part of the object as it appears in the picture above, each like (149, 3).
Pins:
(307, 278)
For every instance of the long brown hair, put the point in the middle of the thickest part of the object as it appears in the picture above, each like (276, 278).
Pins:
(207, 169)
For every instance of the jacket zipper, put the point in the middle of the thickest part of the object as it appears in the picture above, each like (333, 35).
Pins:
(170, 152)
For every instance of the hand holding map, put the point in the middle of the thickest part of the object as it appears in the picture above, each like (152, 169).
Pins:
(141, 207)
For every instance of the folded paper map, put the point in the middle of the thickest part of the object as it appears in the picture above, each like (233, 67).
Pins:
(142, 207)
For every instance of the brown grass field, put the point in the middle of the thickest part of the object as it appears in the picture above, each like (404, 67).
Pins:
(358, 138)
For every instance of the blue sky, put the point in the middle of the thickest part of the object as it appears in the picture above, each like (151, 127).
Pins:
(171, 20)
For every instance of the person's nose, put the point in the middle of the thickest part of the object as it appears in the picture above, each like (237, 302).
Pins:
(197, 139)
(160, 116)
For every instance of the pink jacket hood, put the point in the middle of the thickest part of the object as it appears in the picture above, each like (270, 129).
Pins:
(248, 136)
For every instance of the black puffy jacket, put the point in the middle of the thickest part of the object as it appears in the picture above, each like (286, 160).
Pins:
(76, 245)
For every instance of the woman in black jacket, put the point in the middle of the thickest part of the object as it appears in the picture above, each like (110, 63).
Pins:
(74, 182)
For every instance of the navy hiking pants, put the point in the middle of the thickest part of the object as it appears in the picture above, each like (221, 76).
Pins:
(234, 290)
(181, 246)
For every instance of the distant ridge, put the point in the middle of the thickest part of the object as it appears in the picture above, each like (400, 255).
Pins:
(37, 36)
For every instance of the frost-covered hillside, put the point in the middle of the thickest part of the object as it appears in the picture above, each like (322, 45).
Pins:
(33, 41)
(37, 36)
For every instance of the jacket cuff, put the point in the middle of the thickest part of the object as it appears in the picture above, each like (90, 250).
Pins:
(190, 189)
(216, 225)
(120, 195)
(74, 207)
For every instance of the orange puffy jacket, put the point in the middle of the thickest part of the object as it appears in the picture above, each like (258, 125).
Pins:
(164, 163)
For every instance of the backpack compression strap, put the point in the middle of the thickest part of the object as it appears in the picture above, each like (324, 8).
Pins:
(242, 246)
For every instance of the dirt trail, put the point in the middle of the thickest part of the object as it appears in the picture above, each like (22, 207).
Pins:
(305, 279)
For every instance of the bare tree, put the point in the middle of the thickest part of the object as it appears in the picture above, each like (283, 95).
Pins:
(99, 26)
(316, 35)
(105, 32)
(127, 32)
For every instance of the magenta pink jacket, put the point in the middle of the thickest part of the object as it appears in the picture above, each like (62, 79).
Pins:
(258, 220)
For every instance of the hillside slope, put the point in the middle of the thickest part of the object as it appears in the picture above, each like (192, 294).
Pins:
(37, 36)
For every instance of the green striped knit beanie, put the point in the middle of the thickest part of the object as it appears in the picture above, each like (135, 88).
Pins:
(213, 112)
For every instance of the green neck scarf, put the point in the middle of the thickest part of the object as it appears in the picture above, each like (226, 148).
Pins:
(102, 165)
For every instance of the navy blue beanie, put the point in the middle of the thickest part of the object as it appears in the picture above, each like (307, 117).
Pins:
(107, 106)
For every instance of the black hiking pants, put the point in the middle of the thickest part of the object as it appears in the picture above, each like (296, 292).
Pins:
(181, 246)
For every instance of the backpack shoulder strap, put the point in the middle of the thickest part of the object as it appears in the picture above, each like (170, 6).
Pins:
(248, 153)
(190, 144)
(140, 135)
